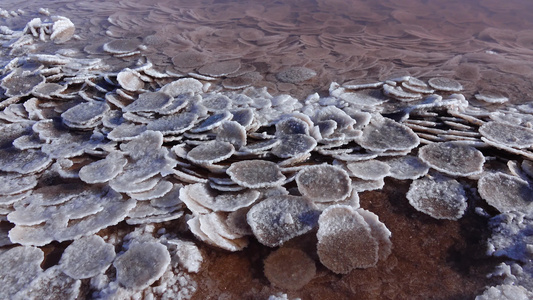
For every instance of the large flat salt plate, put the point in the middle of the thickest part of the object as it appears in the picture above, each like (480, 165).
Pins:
(507, 134)
(20, 265)
(324, 183)
(256, 173)
(292, 125)
(439, 197)
(289, 268)
(87, 257)
(345, 240)
(141, 265)
(453, 158)
(278, 219)
(383, 134)
(506, 193)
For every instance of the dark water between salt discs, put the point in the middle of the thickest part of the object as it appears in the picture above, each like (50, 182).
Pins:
(487, 46)
(484, 44)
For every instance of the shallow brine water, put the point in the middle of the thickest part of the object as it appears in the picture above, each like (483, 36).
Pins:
(265, 150)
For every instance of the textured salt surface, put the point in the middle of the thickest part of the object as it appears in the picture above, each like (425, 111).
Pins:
(127, 135)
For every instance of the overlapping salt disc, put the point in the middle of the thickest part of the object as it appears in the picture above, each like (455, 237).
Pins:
(345, 240)
(87, 257)
(173, 124)
(20, 265)
(141, 265)
(232, 132)
(278, 219)
(85, 112)
(51, 284)
(491, 98)
(13, 183)
(103, 170)
(440, 197)
(182, 86)
(453, 158)
(256, 173)
(18, 84)
(23, 161)
(407, 167)
(506, 193)
(221, 68)
(295, 74)
(292, 125)
(149, 102)
(507, 134)
(324, 183)
(445, 84)
(369, 170)
(212, 121)
(383, 134)
(379, 231)
(129, 80)
(294, 145)
(211, 152)
(289, 268)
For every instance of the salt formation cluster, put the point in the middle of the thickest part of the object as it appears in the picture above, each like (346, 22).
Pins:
(84, 149)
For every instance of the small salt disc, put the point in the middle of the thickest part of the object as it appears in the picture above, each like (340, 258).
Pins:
(506, 193)
(211, 152)
(453, 158)
(256, 173)
(324, 183)
(441, 197)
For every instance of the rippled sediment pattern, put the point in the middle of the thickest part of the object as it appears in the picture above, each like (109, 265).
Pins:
(154, 116)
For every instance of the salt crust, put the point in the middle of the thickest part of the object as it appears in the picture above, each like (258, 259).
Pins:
(439, 197)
